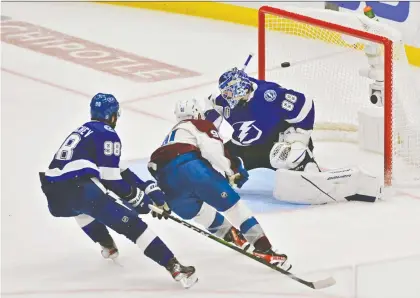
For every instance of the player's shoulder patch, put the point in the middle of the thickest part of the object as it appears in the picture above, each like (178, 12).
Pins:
(202, 125)
(211, 115)
(206, 127)
(109, 128)
(270, 95)
(101, 126)
(104, 131)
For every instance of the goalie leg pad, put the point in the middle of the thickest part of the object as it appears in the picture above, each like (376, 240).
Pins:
(326, 187)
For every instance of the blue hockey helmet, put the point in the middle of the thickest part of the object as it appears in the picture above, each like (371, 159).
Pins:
(234, 85)
(103, 106)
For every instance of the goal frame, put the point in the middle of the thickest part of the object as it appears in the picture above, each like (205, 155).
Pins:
(388, 67)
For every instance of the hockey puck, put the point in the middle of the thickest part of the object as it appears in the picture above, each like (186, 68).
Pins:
(285, 64)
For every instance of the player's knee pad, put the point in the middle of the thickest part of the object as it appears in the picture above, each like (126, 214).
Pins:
(223, 198)
(112, 212)
(215, 222)
(238, 213)
(146, 237)
(130, 226)
(84, 220)
(93, 228)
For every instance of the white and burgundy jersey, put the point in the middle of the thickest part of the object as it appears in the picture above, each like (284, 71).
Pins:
(199, 136)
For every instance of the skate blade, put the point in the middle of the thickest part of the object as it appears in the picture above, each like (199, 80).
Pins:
(117, 262)
(188, 282)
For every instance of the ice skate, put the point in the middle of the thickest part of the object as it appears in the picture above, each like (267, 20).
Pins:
(184, 274)
(235, 236)
(274, 258)
(109, 249)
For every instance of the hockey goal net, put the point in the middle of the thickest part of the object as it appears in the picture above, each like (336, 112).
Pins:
(328, 51)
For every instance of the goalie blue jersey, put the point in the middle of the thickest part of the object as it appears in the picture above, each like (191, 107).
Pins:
(270, 110)
(94, 150)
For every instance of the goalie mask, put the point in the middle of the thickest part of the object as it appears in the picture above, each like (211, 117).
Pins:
(188, 109)
(234, 85)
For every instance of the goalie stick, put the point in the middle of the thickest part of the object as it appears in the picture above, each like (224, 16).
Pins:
(248, 59)
(319, 284)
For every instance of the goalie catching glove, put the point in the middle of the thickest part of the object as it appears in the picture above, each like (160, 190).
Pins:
(291, 152)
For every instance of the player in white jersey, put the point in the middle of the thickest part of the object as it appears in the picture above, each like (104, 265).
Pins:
(197, 177)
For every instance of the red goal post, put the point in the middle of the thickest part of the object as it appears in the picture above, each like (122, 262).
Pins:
(291, 18)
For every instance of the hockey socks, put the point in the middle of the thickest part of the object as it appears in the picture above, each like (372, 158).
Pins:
(220, 226)
(152, 246)
(158, 252)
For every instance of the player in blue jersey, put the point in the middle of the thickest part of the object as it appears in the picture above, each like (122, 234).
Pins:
(271, 125)
(84, 181)
(272, 128)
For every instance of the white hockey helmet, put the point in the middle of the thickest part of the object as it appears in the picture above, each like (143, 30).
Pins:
(188, 109)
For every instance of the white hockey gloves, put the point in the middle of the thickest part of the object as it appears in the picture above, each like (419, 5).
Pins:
(292, 152)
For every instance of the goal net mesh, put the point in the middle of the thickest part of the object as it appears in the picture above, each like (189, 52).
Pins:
(325, 66)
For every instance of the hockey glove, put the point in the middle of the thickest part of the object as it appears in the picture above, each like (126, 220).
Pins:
(241, 176)
(141, 202)
(158, 198)
(292, 152)
(163, 207)
(155, 193)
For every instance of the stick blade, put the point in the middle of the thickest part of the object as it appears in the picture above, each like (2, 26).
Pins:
(324, 283)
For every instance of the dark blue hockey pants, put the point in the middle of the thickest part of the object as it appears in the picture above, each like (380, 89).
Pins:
(85, 196)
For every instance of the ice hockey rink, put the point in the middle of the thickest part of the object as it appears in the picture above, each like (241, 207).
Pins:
(372, 250)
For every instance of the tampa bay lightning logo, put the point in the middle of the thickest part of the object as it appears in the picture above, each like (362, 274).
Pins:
(245, 133)
(107, 127)
(270, 95)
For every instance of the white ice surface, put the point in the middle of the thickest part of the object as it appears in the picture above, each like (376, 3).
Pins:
(371, 249)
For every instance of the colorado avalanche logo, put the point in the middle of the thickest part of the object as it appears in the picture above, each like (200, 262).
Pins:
(270, 95)
(245, 133)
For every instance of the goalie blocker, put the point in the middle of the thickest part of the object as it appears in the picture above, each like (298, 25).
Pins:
(346, 184)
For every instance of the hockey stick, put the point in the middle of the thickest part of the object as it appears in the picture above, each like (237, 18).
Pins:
(247, 61)
(320, 284)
